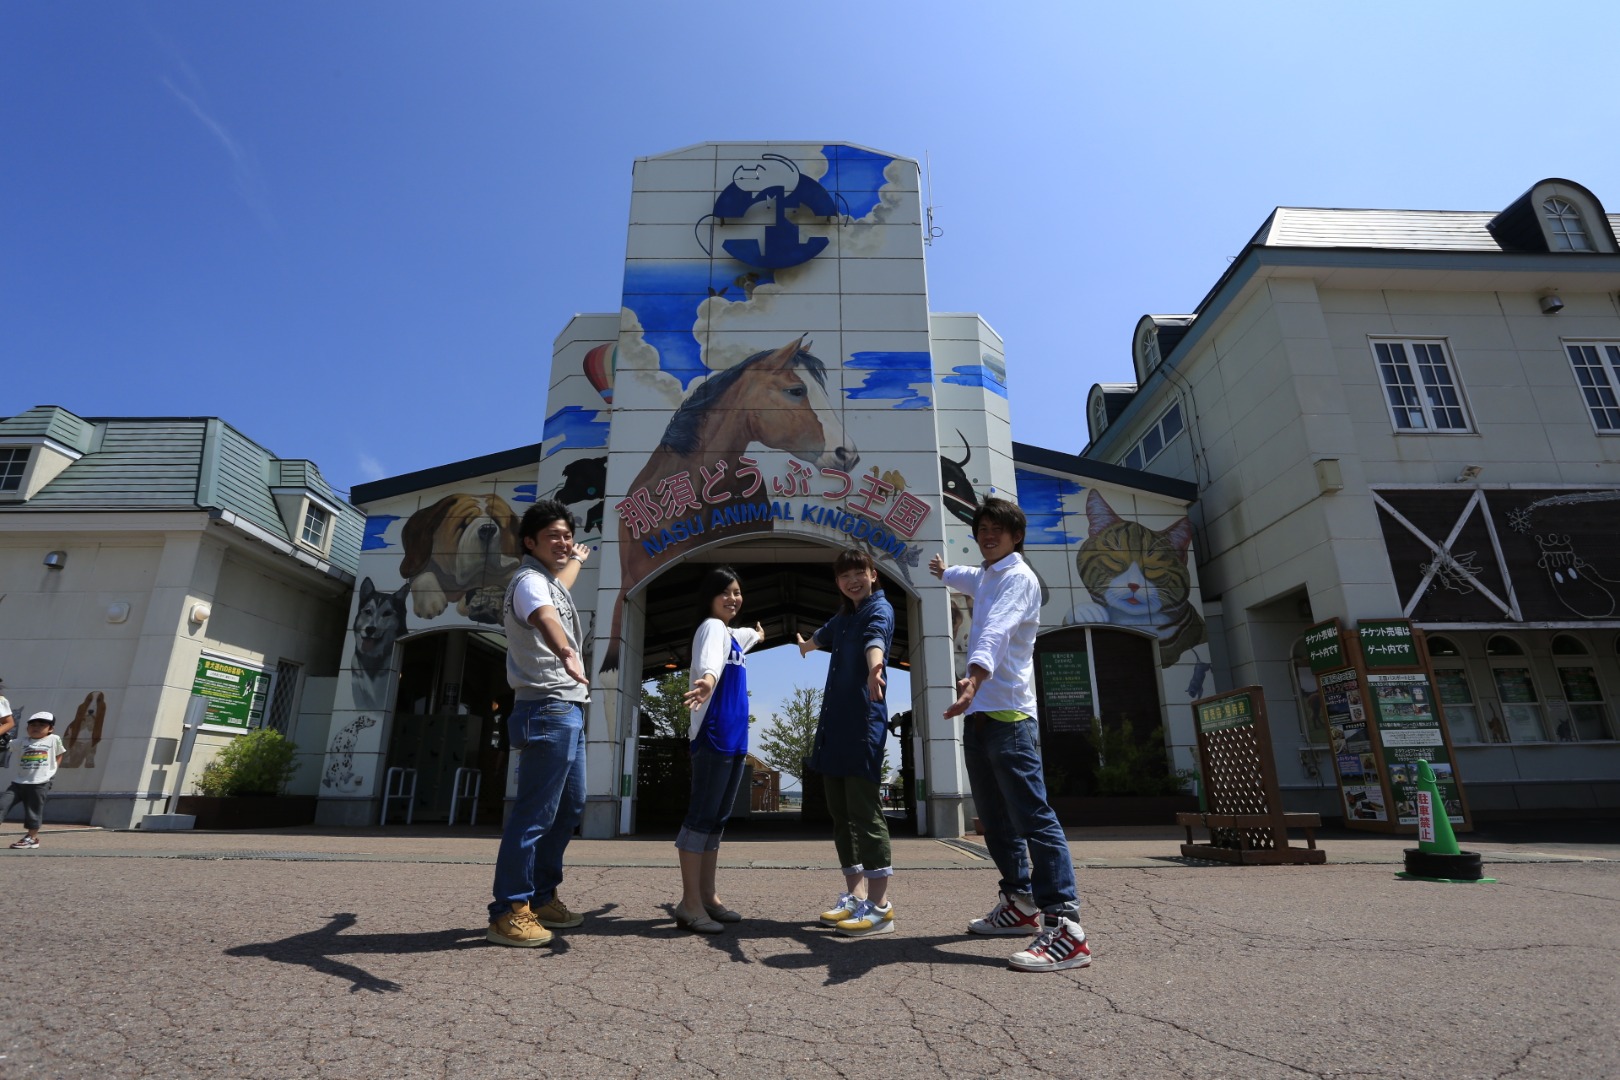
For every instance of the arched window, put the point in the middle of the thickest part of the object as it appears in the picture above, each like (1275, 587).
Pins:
(1564, 225)
(1516, 713)
(1585, 714)
(1456, 692)
(1502, 645)
(1567, 645)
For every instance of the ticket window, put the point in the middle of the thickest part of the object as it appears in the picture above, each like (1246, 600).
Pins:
(1456, 693)
(1588, 717)
(1516, 714)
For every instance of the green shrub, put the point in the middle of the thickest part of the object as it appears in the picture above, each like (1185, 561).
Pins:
(1129, 767)
(258, 763)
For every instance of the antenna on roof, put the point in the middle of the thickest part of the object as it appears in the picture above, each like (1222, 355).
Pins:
(932, 230)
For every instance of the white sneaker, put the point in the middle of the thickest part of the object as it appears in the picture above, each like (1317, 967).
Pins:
(1059, 946)
(1013, 916)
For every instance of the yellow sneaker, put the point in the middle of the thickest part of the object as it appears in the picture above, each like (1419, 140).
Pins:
(843, 909)
(555, 914)
(868, 919)
(518, 927)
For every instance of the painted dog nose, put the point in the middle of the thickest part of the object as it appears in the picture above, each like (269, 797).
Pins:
(487, 530)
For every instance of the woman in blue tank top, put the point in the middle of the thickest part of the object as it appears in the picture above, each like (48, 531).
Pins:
(718, 699)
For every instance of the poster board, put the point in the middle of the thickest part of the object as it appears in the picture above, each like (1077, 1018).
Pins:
(236, 691)
(1384, 714)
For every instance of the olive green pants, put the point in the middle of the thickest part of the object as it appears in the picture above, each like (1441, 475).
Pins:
(860, 831)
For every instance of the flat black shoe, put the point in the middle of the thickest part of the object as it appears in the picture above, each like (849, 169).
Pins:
(702, 924)
(721, 913)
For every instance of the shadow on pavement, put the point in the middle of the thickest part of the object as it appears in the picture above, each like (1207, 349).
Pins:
(844, 958)
(317, 948)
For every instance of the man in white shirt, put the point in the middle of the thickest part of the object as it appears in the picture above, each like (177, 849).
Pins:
(1000, 744)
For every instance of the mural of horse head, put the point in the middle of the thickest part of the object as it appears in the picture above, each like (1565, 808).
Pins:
(776, 398)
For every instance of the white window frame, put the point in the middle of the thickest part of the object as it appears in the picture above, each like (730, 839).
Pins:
(1417, 358)
(1559, 213)
(14, 458)
(1137, 457)
(326, 518)
(1598, 383)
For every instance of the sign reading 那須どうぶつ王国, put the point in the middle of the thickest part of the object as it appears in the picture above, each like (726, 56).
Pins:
(235, 691)
(868, 507)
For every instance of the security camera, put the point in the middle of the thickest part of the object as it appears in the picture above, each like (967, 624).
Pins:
(1552, 304)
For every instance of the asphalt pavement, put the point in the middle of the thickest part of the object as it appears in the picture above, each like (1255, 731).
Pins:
(307, 953)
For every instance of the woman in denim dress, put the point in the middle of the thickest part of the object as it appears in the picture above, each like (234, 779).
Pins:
(850, 737)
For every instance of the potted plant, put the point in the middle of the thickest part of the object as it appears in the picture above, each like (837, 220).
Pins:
(242, 787)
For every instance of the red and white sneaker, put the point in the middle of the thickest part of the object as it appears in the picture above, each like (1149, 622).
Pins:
(1059, 946)
(1013, 916)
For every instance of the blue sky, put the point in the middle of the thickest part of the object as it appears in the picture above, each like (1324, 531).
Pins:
(353, 229)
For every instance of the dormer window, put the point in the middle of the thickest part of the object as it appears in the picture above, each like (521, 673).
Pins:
(317, 522)
(1150, 350)
(1564, 225)
(13, 463)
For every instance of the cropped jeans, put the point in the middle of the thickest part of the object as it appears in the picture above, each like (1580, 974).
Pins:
(716, 778)
(1021, 829)
(550, 738)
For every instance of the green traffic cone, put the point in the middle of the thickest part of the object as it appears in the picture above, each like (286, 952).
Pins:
(1437, 856)
(1442, 841)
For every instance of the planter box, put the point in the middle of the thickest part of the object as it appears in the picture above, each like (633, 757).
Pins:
(249, 811)
(1123, 809)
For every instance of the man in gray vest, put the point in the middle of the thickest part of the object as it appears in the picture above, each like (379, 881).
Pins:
(546, 670)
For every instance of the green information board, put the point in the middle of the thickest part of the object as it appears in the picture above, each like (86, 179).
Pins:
(1322, 646)
(1228, 711)
(235, 691)
(1066, 701)
(1387, 643)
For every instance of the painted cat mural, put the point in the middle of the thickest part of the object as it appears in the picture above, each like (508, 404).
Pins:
(1138, 577)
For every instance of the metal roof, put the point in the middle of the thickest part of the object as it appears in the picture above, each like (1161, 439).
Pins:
(175, 464)
(1409, 230)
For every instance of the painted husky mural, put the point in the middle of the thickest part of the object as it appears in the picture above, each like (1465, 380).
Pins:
(776, 398)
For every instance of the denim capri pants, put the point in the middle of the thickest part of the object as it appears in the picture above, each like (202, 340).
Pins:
(715, 780)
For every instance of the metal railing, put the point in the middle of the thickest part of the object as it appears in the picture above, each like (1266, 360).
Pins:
(400, 784)
(469, 784)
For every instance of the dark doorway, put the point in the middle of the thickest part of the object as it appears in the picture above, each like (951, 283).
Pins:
(1091, 682)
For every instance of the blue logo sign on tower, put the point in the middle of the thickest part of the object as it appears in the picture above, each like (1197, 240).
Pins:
(778, 180)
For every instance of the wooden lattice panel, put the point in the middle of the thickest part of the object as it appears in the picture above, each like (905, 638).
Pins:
(1245, 818)
(1236, 783)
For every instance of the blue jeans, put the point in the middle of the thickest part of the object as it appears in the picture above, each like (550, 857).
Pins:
(1020, 828)
(550, 801)
(715, 780)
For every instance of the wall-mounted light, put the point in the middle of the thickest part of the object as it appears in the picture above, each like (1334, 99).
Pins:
(200, 613)
(118, 612)
(1470, 472)
(1551, 304)
(56, 560)
(1329, 477)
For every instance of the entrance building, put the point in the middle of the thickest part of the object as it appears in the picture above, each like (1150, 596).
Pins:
(773, 387)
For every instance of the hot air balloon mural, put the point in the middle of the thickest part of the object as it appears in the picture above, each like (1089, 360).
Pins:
(599, 365)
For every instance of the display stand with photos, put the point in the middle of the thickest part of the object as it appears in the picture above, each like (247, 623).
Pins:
(1246, 820)
(1383, 717)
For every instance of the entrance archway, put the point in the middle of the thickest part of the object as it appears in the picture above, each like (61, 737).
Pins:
(788, 588)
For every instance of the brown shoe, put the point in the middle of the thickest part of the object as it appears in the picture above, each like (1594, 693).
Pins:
(518, 927)
(555, 915)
